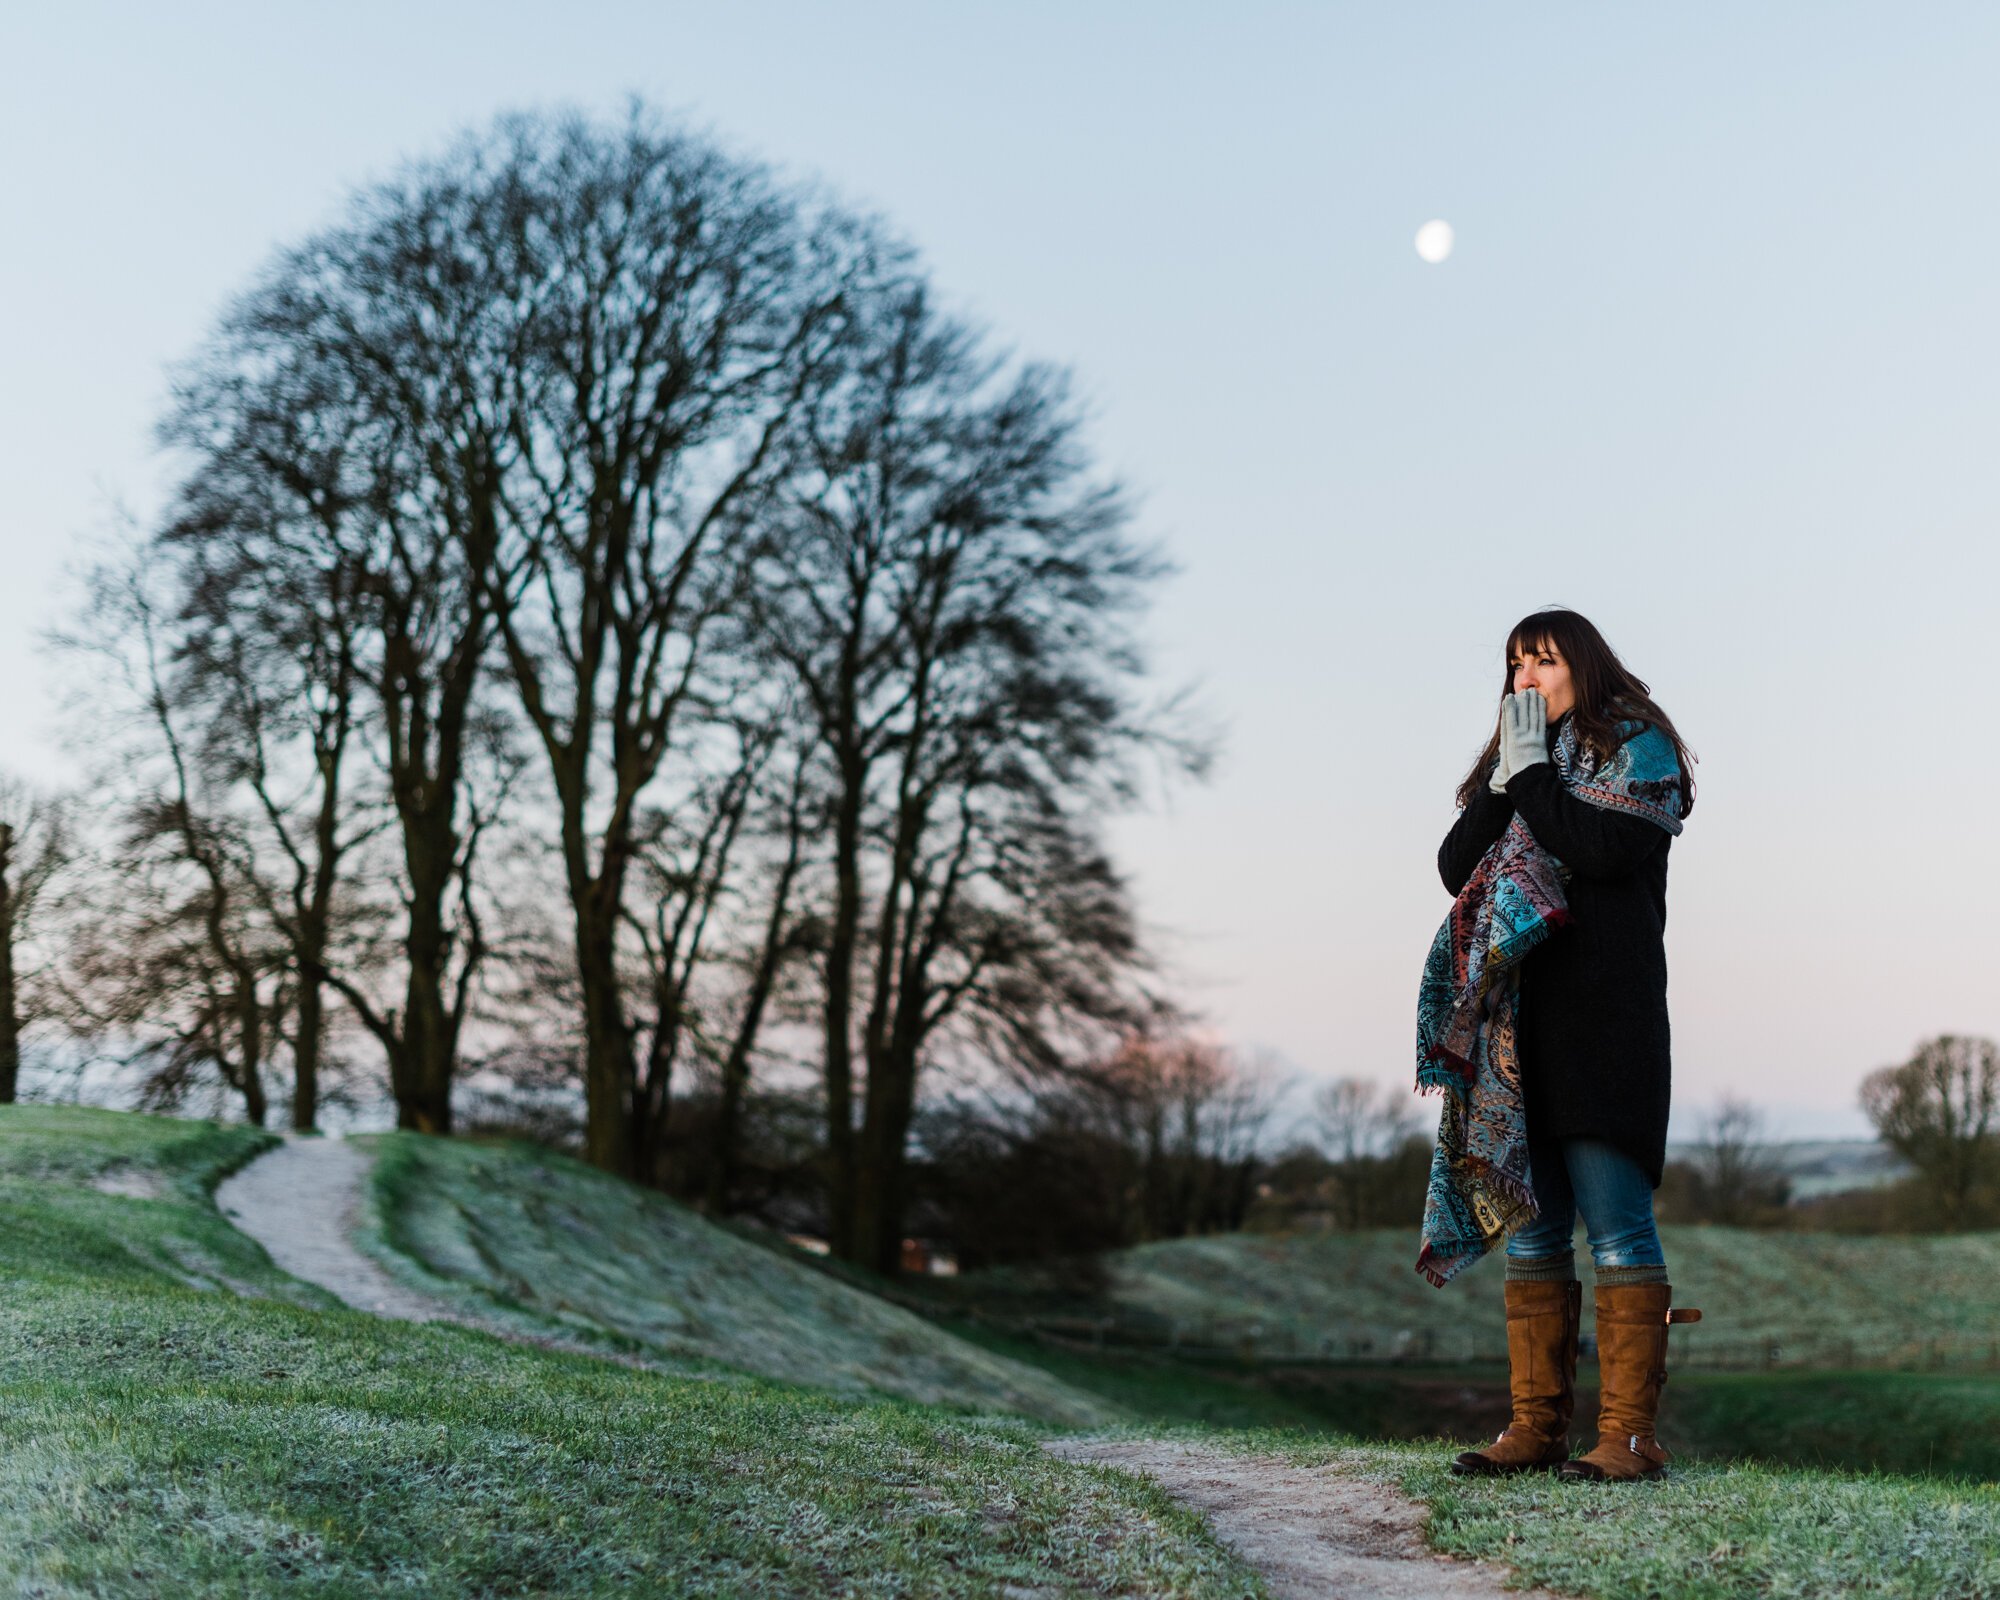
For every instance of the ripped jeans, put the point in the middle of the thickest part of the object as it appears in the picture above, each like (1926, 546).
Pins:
(1608, 1187)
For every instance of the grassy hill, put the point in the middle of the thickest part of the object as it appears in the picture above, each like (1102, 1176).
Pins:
(1817, 1299)
(177, 1417)
(526, 1235)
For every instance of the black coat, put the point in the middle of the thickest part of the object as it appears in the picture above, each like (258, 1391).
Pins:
(1592, 1021)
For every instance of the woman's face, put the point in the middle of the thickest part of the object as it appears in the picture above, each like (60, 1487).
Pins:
(1544, 669)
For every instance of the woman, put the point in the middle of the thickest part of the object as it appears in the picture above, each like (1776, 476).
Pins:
(1543, 1020)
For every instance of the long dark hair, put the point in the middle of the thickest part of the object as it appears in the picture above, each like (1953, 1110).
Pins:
(1607, 692)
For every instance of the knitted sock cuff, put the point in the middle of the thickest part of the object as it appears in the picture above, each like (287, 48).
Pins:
(1616, 1277)
(1542, 1269)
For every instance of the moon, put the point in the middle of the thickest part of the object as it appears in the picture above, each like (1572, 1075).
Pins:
(1434, 240)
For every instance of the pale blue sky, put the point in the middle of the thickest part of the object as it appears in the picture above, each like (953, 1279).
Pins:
(1713, 362)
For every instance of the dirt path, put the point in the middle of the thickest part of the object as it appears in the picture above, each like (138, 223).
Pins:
(1312, 1532)
(301, 1202)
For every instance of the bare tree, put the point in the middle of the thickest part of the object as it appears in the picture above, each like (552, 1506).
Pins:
(953, 591)
(1363, 1124)
(1940, 1111)
(349, 428)
(1359, 1117)
(689, 866)
(167, 947)
(682, 306)
(1734, 1163)
(1199, 1116)
(34, 845)
(686, 448)
(1161, 1139)
(783, 939)
(272, 622)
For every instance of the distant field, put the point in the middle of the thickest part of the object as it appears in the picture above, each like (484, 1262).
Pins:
(1768, 1299)
(1815, 1168)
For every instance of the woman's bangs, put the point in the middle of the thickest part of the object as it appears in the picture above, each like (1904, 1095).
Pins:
(1532, 646)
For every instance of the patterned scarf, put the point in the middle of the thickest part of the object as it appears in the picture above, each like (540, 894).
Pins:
(1480, 1186)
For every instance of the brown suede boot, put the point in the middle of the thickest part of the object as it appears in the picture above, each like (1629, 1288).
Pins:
(1542, 1321)
(1632, 1324)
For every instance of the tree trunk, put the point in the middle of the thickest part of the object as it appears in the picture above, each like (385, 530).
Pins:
(609, 1070)
(653, 1097)
(840, 1188)
(736, 1069)
(250, 1032)
(10, 1022)
(421, 1073)
(316, 914)
(425, 779)
(892, 1099)
(729, 1113)
(882, 1181)
(305, 1062)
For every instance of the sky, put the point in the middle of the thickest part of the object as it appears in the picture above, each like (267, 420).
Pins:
(1713, 362)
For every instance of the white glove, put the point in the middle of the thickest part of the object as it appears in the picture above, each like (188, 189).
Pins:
(1501, 770)
(1524, 730)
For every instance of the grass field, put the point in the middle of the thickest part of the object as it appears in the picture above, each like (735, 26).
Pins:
(178, 1418)
(1708, 1532)
(1945, 1425)
(1768, 1298)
